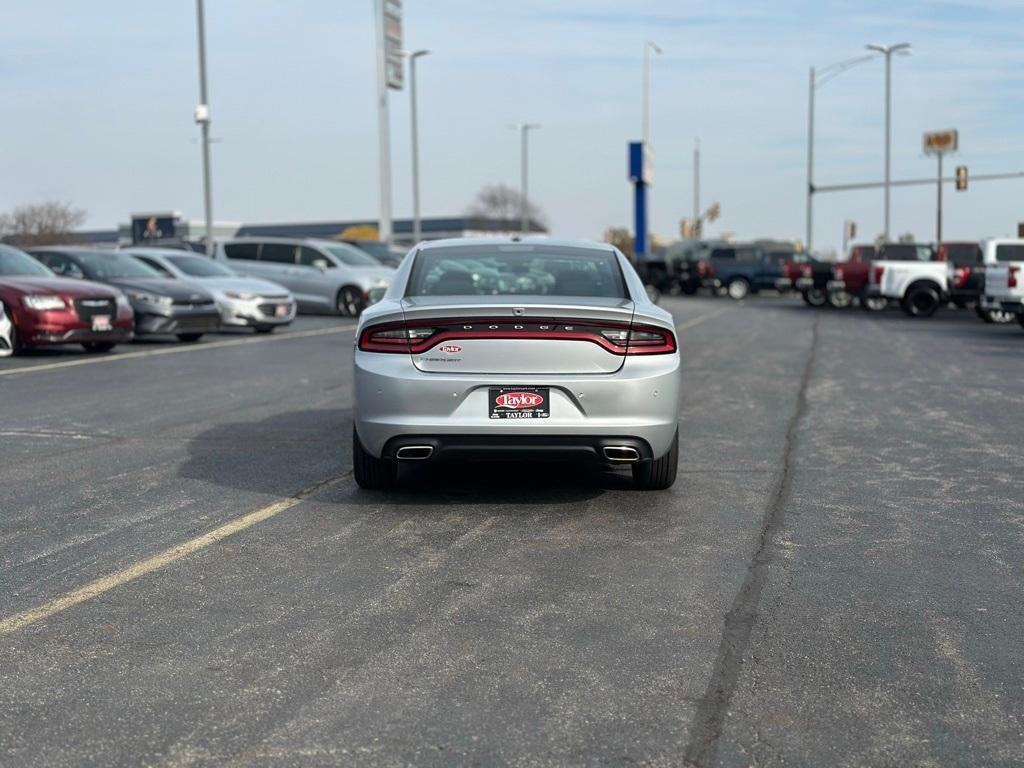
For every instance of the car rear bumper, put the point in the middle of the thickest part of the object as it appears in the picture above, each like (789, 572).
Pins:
(393, 400)
(612, 450)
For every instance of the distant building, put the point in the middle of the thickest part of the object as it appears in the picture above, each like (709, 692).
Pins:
(171, 227)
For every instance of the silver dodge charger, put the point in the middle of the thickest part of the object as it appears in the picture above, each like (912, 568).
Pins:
(486, 349)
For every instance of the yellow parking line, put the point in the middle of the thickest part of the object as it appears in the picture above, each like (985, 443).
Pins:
(176, 350)
(701, 319)
(165, 558)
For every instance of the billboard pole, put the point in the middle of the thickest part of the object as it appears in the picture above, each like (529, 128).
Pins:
(202, 116)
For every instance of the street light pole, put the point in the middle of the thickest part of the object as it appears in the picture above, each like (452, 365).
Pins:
(888, 51)
(416, 224)
(202, 116)
(817, 79)
(524, 170)
(696, 189)
(646, 128)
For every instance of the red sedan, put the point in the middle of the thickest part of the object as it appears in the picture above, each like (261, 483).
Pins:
(45, 309)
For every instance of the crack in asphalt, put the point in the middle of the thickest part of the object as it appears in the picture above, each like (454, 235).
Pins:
(739, 621)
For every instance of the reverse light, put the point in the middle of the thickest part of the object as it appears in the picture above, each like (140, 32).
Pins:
(44, 303)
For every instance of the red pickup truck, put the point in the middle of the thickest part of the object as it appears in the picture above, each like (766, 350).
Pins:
(850, 278)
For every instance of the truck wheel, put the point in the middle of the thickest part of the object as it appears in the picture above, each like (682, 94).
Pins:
(813, 297)
(997, 316)
(874, 303)
(371, 473)
(658, 474)
(921, 301)
(738, 289)
(840, 299)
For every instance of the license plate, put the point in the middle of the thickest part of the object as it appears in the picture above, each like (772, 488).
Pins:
(281, 310)
(102, 323)
(520, 402)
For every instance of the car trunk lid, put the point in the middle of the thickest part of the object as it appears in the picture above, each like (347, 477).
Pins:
(512, 335)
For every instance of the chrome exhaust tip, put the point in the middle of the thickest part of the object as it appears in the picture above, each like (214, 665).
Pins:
(624, 453)
(414, 452)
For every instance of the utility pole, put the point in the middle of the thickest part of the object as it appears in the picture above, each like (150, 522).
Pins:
(810, 161)
(524, 175)
(938, 223)
(696, 189)
(202, 116)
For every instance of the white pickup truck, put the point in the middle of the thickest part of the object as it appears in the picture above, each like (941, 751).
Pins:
(908, 273)
(1004, 275)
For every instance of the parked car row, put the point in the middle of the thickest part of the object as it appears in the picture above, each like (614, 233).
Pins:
(100, 298)
(986, 276)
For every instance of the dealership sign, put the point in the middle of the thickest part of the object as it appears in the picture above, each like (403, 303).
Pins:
(941, 142)
(392, 27)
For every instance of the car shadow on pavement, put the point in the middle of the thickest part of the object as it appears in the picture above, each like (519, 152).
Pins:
(286, 452)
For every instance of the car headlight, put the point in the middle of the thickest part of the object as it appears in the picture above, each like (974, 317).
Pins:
(151, 298)
(44, 303)
(240, 295)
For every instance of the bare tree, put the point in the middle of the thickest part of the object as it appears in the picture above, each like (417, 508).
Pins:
(621, 238)
(500, 201)
(40, 223)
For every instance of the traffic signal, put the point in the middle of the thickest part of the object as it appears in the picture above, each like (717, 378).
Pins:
(961, 178)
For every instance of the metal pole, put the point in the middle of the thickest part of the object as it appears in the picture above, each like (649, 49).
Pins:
(383, 131)
(888, 135)
(416, 223)
(810, 161)
(697, 227)
(203, 118)
(645, 130)
(846, 239)
(938, 223)
(524, 158)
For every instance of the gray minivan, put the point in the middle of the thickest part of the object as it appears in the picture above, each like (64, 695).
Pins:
(321, 274)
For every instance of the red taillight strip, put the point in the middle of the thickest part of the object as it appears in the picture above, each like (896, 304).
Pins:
(589, 332)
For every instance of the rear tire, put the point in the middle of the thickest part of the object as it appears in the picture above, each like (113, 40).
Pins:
(98, 347)
(189, 338)
(840, 299)
(738, 289)
(658, 474)
(874, 303)
(814, 297)
(371, 473)
(921, 301)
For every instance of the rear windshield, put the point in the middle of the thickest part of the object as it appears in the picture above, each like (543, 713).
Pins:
(509, 270)
(906, 253)
(963, 254)
(1010, 253)
(15, 263)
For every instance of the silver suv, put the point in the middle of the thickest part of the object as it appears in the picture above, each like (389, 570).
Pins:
(321, 274)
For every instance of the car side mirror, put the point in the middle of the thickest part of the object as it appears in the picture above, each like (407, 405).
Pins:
(320, 264)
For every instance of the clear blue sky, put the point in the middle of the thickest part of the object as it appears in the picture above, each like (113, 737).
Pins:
(97, 103)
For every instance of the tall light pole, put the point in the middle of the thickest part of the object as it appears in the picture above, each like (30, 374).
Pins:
(383, 126)
(524, 171)
(888, 51)
(818, 78)
(646, 132)
(416, 226)
(202, 116)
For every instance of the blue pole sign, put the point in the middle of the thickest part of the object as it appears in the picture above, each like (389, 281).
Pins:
(639, 174)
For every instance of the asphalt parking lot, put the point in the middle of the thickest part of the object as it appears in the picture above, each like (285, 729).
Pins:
(189, 576)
